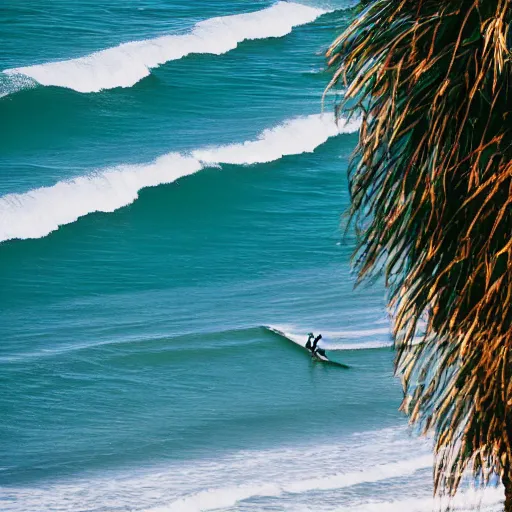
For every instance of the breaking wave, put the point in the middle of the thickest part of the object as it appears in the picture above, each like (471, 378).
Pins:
(126, 64)
(212, 499)
(37, 213)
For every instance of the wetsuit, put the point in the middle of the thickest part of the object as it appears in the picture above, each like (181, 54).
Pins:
(315, 351)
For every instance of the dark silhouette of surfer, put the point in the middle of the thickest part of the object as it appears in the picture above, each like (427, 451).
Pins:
(312, 343)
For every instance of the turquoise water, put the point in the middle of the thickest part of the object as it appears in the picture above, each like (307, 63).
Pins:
(160, 203)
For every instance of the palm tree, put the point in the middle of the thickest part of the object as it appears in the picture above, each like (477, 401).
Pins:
(431, 189)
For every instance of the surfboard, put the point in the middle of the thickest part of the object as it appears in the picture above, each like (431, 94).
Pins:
(321, 358)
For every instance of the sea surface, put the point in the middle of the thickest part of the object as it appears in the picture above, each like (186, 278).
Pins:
(169, 186)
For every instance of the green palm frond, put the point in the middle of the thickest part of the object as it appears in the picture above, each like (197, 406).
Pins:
(431, 189)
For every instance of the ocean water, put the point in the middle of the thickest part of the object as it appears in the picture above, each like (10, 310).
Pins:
(169, 186)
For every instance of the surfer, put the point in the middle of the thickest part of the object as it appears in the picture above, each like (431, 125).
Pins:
(312, 345)
(314, 349)
(308, 343)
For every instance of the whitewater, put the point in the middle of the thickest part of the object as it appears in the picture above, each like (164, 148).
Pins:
(279, 476)
(128, 63)
(37, 213)
(205, 485)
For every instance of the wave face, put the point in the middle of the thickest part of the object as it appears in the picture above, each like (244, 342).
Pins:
(126, 64)
(37, 213)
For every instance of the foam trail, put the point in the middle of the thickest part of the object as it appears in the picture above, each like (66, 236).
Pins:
(126, 64)
(368, 345)
(212, 499)
(37, 213)
(360, 333)
(335, 339)
(331, 340)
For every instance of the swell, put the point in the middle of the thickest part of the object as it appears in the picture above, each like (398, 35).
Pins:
(37, 213)
(128, 63)
(185, 345)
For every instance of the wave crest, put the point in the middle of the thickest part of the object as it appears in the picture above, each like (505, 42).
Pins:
(37, 213)
(126, 64)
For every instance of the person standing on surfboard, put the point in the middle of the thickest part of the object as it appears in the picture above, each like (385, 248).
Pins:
(315, 343)
(312, 346)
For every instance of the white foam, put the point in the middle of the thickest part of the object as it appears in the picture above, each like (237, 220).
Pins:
(360, 333)
(367, 345)
(126, 64)
(291, 138)
(212, 499)
(282, 474)
(333, 340)
(343, 340)
(37, 213)
(488, 500)
(12, 84)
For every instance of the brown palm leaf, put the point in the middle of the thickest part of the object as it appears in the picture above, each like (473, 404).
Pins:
(431, 189)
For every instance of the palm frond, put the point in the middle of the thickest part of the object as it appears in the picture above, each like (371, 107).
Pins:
(431, 190)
